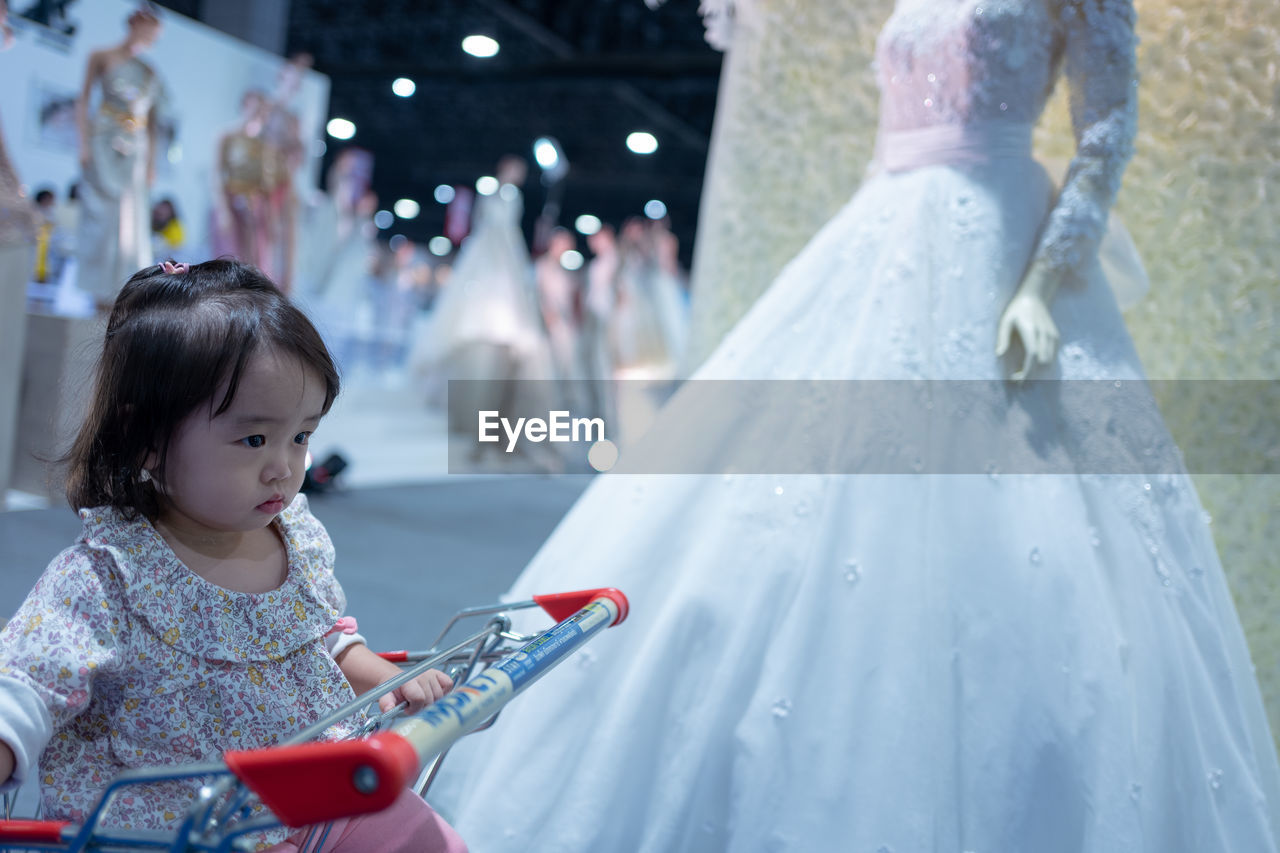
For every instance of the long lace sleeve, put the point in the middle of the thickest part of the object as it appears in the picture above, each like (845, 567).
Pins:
(1101, 73)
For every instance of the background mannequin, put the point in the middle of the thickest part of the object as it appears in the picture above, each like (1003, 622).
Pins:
(117, 146)
(242, 208)
(285, 150)
(17, 250)
(557, 299)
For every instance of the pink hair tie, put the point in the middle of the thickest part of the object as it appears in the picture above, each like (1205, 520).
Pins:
(346, 624)
(174, 269)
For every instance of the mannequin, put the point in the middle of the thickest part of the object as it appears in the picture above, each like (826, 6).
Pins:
(284, 151)
(243, 184)
(946, 658)
(117, 156)
(17, 242)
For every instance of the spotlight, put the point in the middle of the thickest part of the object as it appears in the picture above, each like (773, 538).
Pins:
(444, 193)
(642, 142)
(654, 209)
(551, 159)
(404, 87)
(406, 208)
(480, 46)
(341, 128)
(544, 151)
(587, 224)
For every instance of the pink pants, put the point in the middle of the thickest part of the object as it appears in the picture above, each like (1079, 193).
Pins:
(408, 825)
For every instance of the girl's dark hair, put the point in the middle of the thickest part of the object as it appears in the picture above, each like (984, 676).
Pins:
(172, 340)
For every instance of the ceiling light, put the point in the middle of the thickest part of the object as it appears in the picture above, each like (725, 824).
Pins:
(444, 194)
(481, 46)
(544, 151)
(654, 209)
(406, 208)
(642, 142)
(440, 246)
(341, 128)
(587, 224)
(383, 219)
(404, 87)
(571, 260)
(488, 185)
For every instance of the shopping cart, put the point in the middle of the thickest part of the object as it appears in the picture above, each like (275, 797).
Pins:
(303, 782)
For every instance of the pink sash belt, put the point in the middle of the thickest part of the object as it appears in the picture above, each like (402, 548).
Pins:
(952, 145)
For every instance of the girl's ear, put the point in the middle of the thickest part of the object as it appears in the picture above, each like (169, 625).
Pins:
(150, 461)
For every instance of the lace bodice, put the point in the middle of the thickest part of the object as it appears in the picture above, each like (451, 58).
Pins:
(984, 62)
(973, 62)
(129, 89)
(964, 62)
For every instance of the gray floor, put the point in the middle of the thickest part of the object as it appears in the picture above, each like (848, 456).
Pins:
(408, 556)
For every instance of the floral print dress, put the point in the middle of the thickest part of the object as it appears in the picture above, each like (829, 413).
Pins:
(140, 662)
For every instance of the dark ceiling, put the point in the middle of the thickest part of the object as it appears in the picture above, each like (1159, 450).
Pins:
(587, 72)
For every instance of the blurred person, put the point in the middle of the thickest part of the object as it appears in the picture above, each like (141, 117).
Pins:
(336, 264)
(597, 309)
(558, 303)
(45, 203)
(168, 235)
(66, 230)
(117, 159)
(639, 341)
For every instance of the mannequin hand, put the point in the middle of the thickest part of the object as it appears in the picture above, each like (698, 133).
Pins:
(1028, 315)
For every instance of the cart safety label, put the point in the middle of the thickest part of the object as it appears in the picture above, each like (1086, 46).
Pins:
(540, 655)
(443, 722)
(470, 704)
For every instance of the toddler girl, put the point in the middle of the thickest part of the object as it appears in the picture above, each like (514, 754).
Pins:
(195, 614)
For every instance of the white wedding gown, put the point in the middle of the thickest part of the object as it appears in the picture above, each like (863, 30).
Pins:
(902, 663)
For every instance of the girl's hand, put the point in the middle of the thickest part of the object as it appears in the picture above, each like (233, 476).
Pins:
(366, 670)
(419, 693)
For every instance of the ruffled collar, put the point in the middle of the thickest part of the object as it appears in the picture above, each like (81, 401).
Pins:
(189, 613)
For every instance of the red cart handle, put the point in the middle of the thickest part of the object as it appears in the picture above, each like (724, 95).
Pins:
(31, 831)
(316, 782)
(561, 605)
